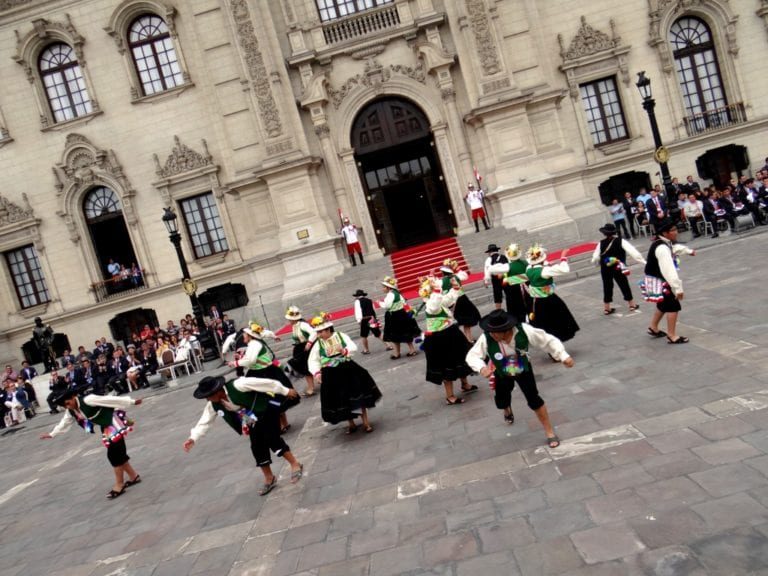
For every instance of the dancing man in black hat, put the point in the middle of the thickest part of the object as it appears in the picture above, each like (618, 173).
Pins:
(107, 413)
(501, 354)
(251, 406)
(494, 280)
(366, 317)
(611, 254)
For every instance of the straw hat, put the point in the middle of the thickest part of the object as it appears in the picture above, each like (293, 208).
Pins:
(293, 313)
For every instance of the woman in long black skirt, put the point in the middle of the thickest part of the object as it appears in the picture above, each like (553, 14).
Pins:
(399, 326)
(347, 388)
(303, 337)
(464, 311)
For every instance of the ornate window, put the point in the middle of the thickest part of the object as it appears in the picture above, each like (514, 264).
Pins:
(100, 202)
(27, 276)
(206, 232)
(332, 9)
(697, 67)
(602, 106)
(64, 84)
(154, 55)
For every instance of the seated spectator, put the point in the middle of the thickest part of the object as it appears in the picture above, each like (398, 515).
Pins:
(15, 409)
(82, 354)
(22, 397)
(723, 208)
(5, 407)
(642, 216)
(171, 329)
(146, 332)
(694, 212)
(691, 186)
(68, 357)
(53, 381)
(9, 374)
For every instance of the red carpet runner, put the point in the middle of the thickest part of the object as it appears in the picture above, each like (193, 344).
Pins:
(419, 260)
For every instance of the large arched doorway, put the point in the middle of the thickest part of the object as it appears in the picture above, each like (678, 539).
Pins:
(405, 192)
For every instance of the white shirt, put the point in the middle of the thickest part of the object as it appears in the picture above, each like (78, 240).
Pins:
(536, 337)
(475, 199)
(313, 363)
(664, 254)
(693, 209)
(628, 248)
(350, 233)
(92, 400)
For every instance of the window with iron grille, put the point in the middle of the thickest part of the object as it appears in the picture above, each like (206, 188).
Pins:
(332, 9)
(153, 54)
(201, 216)
(27, 276)
(64, 83)
(605, 116)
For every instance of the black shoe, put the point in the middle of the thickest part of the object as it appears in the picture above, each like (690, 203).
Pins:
(714, 235)
(54, 411)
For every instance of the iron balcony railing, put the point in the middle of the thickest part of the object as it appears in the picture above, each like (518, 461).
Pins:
(361, 25)
(716, 119)
(113, 289)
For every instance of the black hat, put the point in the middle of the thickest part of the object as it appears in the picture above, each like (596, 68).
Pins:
(608, 230)
(208, 386)
(498, 321)
(492, 248)
(61, 391)
(665, 226)
(359, 293)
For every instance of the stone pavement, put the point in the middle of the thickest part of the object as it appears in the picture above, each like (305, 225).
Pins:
(663, 469)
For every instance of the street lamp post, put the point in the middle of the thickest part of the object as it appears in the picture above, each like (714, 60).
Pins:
(188, 284)
(661, 155)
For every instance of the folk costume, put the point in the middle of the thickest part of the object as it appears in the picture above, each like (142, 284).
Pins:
(465, 312)
(501, 354)
(611, 255)
(365, 315)
(347, 387)
(444, 345)
(399, 326)
(548, 311)
(302, 333)
(514, 280)
(107, 413)
(494, 280)
(251, 407)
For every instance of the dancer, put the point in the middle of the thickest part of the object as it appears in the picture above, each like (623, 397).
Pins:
(399, 326)
(105, 412)
(494, 280)
(347, 387)
(260, 362)
(366, 317)
(548, 311)
(611, 255)
(303, 337)
(251, 406)
(466, 313)
(444, 345)
(514, 281)
(501, 354)
(662, 283)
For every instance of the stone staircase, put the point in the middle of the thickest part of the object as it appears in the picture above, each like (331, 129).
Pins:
(412, 263)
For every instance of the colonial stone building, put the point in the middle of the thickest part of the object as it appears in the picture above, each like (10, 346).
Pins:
(260, 121)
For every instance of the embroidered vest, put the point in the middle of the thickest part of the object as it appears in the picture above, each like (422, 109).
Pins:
(397, 303)
(299, 336)
(265, 358)
(439, 321)
(516, 273)
(508, 366)
(255, 402)
(95, 414)
(652, 267)
(332, 351)
(538, 286)
(447, 283)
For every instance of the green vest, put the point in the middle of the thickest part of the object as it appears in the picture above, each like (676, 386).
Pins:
(509, 366)
(439, 321)
(538, 286)
(397, 303)
(96, 414)
(264, 359)
(516, 272)
(327, 361)
(255, 402)
(299, 335)
(447, 283)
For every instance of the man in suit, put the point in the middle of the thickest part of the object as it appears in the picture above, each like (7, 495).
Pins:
(68, 357)
(656, 208)
(227, 326)
(85, 375)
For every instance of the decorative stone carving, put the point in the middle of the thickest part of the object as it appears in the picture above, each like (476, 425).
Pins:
(322, 130)
(367, 52)
(257, 70)
(182, 159)
(376, 74)
(11, 213)
(588, 41)
(481, 28)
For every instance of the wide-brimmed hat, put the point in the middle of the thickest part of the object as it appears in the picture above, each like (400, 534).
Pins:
(254, 329)
(665, 226)
(536, 254)
(321, 321)
(498, 321)
(359, 293)
(608, 230)
(62, 391)
(293, 313)
(513, 251)
(208, 386)
(389, 282)
(450, 266)
(492, 248)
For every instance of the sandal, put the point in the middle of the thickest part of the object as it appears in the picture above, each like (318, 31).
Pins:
(469, 390)
(659, 334)
(268, 487)
(411, 354)
(509, 418)
(553, 441)
(368, 429)
(350, 430)
(609, 311)
(394, 357)
(635, 307)
(680, 340)
(308, 393)
(366, 352)
(297, 474)
(112, 494)
(389, 348)
(454, 401)
(133, 482)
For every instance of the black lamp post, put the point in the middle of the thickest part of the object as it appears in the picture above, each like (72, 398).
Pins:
(661, 155)
(189, 285)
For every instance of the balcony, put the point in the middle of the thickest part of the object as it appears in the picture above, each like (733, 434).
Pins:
(115, 289)
(361, 25)
(716, 119)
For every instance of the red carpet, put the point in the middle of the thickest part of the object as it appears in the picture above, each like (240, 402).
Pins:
(419, 260)
(413, 291)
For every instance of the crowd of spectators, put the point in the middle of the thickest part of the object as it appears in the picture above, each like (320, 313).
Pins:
(700, 209)
(122, 277)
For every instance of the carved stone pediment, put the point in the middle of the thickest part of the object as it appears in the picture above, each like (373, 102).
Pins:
(588, 41)
(11, 213)
(375, 75)
(183, 159)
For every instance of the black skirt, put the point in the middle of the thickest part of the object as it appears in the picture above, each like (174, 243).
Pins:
(275, 373)
(299, 359)
(517, 301)
(399, 327)
(446, 353)
(346, 389)
(466, 313)
(553, 316)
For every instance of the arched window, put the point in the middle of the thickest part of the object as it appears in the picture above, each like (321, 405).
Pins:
(64, 83)
(154, 55)
(332, 9)
(100, 202)
(697, 67)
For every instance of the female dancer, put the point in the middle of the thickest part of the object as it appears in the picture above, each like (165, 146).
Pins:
(465, 312)
(303, 337)
(399, 327)
(514, 281)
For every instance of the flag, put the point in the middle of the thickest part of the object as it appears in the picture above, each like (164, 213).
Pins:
(478, 178)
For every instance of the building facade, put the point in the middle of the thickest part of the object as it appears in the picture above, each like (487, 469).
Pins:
(262, 122)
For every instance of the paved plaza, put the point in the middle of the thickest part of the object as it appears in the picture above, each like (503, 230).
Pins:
(663, 468)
